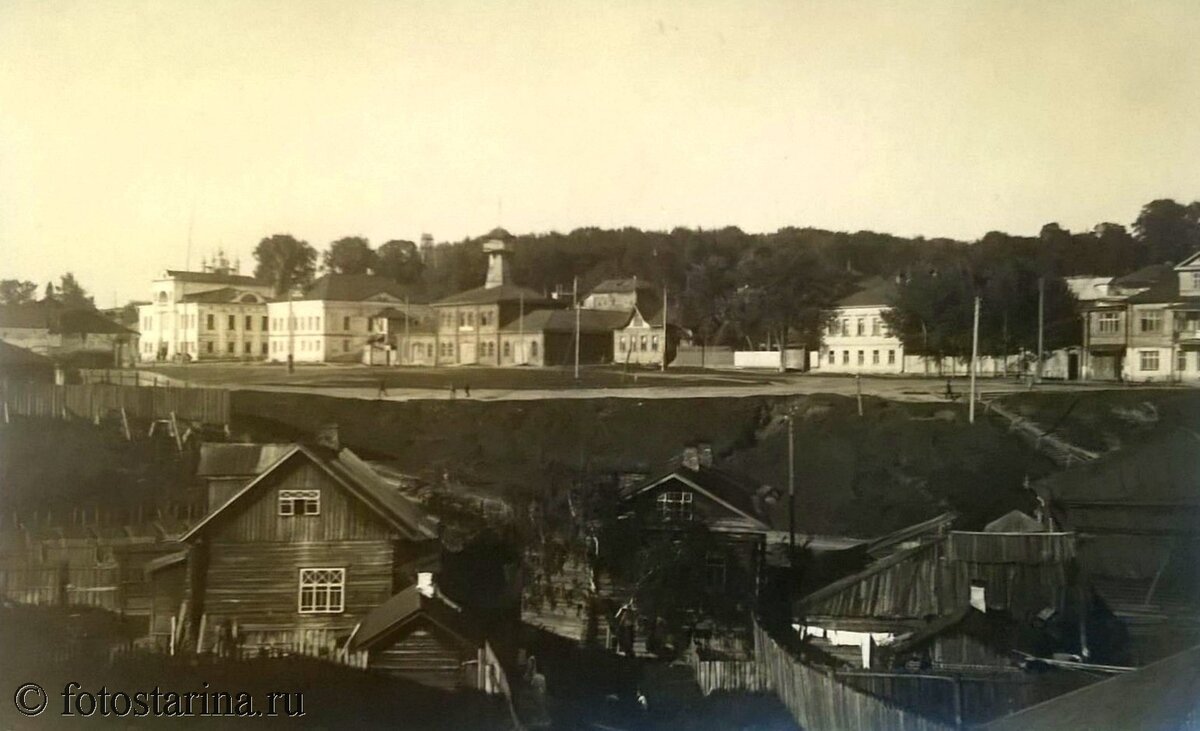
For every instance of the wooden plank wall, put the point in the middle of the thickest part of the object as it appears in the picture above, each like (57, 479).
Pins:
(96, 400)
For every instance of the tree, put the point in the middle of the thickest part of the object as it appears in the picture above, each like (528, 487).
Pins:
(787, 291)
(349, 255)
(706, 297)
(285, 262)
(933, 312)
(399, 261)
(72, 294)
(1170, 231)
(17, 291)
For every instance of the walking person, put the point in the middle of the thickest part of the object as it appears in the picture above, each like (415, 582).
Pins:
(453, 392)
(467, 389)
(382, 389)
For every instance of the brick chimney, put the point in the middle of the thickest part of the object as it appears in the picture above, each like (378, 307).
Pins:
(691, 458)
(706, 454)
(327, 436)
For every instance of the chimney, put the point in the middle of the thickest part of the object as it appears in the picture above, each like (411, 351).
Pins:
(425, 584)
(327, 436)
(691, 458)
(706, 455)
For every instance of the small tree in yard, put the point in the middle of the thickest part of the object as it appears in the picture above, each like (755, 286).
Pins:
(285, 262)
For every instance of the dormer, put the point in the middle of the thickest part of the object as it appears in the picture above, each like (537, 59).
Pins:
(1189, 276)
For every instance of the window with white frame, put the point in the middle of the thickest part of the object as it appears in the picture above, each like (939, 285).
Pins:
(860, 326)
(1195, 280)
(322, 591)
(891, 357)
(675, 505)
(1109, 323)
(1148, 360)
(874, 357)
(299, 502)
(875, 327)
(1181, 361)
(1151, 321)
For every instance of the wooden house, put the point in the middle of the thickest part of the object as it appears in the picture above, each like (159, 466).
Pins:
(303, 551)
(419, 635)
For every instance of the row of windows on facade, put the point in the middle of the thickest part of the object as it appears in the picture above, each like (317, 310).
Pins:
(842, 327)
(636, 342)
(1149, 321)
(188, 322)
(467, 319)
(486, 349)
(862, 357)
(210, 347)
(1150, 360)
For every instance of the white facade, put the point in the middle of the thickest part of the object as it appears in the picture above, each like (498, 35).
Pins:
(857, 340)
(209, 315)
(319, 331)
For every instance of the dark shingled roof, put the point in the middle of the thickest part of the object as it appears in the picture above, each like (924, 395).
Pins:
(353, 288)
(222, 295)
(493, 295)
(49, 315)
(590, 321)
(624, 285)
(403, 608)
(12, 355)
(213, 278)
(875, 291)
(238, 460)
(1147, 276)
(734, 492)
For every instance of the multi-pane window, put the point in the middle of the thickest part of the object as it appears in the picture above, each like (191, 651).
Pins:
(832, 357)
(643, 343)
(1148, 360)
(860, 326)
(1109, 323)
(861, 357)
(246, 347)
(299, 502)
(533, 349)
(675, 505)
(249, 322)
(845, 357)
(654, 343)
(209, 324)
(322, 591)
(845, 326)
(265, 322)
(1151, 321)
(232, 322)
(345, 323)
(891, 357)
(229, 348)
(875, 326)
(1181, 361)
(1195, 280)
(874, 357)
(621, 341)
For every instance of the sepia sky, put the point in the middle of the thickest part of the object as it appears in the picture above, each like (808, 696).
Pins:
(386, 119)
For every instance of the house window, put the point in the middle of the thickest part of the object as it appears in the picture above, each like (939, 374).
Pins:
(845, 357)
(265, 321)
(249, 322)
(299, 502)
(654, 343)
(533, 349)
(715, 571)
(507, 349)
(861, 326)
(209, 323)
(322, 591)
(208, 347)
(874, 357)
(875, 326)
(345, 323)
(622, 343)
(247, 348)
(233, 322)
(675, 505)
(861, 357)
(891, 357)
(229, 348)
(1110, 323)
(264, 348)
(832, 357)
(345, 345)
(1181, 361)
(845, 326)
(1148, 360)
(643, 343)
(1151, 321)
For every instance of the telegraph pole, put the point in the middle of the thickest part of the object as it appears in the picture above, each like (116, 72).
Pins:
(575, 301)
(406, 353)
(521, 328)
(664, 336)
(1041, 324)
(791, 487)
(974, 365)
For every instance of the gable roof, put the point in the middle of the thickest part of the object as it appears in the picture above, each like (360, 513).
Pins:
(874, 291)
(1014, 521)
(223, 295)
(494, 295)
(1190, 262)
(220, 459)
(1147, 276)
(719, 486)
(1160, 696)
(353, 288)
(623, 285)
(214, 278)
(405, 607)
(13, 355)
(590, 321)
(409, 519)
(54, 317)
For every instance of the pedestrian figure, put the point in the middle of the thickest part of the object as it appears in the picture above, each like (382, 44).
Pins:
(467, 389)
(949, 390)
(382, 388)
(453, 392)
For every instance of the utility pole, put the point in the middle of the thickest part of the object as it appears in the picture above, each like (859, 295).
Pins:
(521, 328)
(791, 487)
(974, 357)
(664, 335)
(575, 301)
(1041, 325)
(406, 353)
(858, 391)
(291, 336)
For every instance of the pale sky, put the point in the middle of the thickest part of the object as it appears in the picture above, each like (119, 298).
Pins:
(387, 119)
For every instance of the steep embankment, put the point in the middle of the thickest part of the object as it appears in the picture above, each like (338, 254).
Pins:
(897, 464)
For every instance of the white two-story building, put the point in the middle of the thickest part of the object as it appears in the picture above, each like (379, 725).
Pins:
(857, 340)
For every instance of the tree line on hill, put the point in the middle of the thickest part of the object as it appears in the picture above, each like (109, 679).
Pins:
(732, 287)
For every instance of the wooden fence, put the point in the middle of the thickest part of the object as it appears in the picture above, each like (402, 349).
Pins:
(94, 401)
(745, 676)
(1060, 450)
(129, 377)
